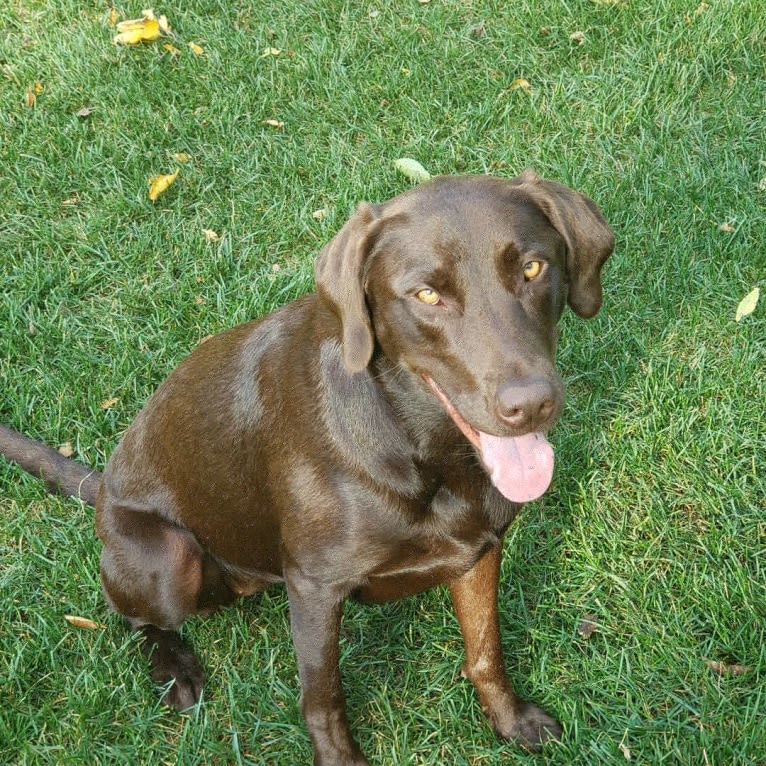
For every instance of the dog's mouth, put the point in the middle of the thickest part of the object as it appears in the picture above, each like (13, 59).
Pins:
(520, 467)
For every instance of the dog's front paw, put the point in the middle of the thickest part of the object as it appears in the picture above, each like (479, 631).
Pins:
(528, 726)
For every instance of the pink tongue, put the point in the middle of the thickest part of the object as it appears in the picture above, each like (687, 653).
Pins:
(521, 467)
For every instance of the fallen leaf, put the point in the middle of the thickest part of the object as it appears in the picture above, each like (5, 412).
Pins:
(135, 31)
(83, 622)
(113, 15)
(67, 450)
(270, 52)
(85, 112)
(588, 626)
(578, 37)
(159, 184)
(412, 169)
(171, 49)
(107, 404)
(321, 214)
(521, 84)
(164, 25)
(726, 227)
(724, 669)
(211, 236)
(197, 50)
(747, 304)
(31, 97)
(274, 124)
(199, 300)
(625, 750)
(701, 8)
(182, 157)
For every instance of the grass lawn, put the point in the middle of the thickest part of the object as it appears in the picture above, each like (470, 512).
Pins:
(655, 526)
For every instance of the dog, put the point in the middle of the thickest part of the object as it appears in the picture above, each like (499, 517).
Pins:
(370, 440)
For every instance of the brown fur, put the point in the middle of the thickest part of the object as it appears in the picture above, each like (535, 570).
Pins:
(306, 447)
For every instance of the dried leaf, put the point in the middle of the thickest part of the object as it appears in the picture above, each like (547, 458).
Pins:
(85, 112)
(270, 52)
(321, 214)
(159, 184)
(726, 227)
(274, 124)
(747, 304)
(521, 84)
(578, 37)
(211, 236)
(182, 157)
(83, 622)
(171, 49)
(723, 669)
(625, 750)
(588, 626)
(31, 97)
(113, 14)
(135, 31)
(412, 169)
(107, 404)
(197, 50)
(67, 450)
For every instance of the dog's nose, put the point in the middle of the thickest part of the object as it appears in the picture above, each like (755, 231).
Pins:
(526, 403)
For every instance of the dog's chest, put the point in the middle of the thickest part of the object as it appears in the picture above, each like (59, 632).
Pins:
(434, 550)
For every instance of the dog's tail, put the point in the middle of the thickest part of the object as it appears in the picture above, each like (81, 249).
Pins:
(61, 475)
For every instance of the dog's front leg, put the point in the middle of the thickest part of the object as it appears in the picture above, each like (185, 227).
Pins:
(475, 598)
(315, 616)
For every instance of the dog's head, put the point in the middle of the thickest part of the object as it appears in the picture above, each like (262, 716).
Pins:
(461, 281)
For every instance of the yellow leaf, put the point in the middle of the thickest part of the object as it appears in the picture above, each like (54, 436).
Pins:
(211, 235)
(137, 31)
(274, 124)
(159, 184)
(521, 84)
(113, 14)
(82, 622)
(39, 88)
(107, 404)
(197, 50)
(321, 214)
(182, 157)
(171, 49)
(412, 169)
(747, 304)
(270, 52)
(578, 37)
(67, 450)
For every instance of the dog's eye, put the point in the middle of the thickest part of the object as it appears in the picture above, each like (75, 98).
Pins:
(429, 296)
(532, 269)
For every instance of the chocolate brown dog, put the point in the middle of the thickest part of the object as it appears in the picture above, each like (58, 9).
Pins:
(371, 440)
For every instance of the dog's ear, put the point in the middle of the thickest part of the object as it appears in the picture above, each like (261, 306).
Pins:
(339, 273)
(587, 235)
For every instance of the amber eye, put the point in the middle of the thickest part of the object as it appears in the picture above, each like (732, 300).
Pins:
(429, 296)
(532, 269)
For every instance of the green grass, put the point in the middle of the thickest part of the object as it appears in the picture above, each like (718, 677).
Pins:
(656, 523)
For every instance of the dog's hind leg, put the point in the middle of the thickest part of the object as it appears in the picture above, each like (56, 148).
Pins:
(156, 574)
